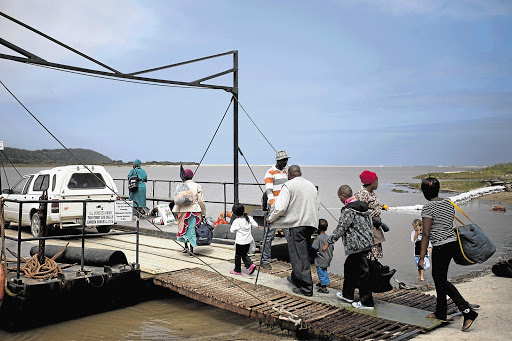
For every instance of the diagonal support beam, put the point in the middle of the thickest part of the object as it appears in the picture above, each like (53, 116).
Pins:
(20, 50)
(57, 42)
(182, 63)
(213, 76)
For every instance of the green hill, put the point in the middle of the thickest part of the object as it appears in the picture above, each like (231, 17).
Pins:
(52, 156)
(58, 157)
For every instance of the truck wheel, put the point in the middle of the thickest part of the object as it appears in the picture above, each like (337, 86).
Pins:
(103, 228)
(35, 225)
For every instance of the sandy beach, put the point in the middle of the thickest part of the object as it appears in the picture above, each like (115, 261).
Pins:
(494, 295)
(502, 197)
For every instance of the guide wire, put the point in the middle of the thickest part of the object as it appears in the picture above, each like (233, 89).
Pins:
(215, 134)
(241, 106)
(240, 151)
(10, 163)
(5, 173)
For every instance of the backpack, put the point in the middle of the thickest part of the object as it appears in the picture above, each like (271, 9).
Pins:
(133, 182)
(184, 195)
(204, 233)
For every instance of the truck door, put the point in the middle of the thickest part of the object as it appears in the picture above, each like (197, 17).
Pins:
(18, 192)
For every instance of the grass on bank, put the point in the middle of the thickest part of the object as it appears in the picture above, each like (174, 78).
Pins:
(455, 186)
(502, 171)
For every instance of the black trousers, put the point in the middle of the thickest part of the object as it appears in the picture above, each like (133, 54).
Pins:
(241, 254)
(357, 274)
(299, 243)
(441, 258)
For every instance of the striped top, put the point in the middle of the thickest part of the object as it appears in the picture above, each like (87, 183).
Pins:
(442, 213)
(274, 180)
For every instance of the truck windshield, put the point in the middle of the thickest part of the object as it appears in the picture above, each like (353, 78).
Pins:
(86, 180)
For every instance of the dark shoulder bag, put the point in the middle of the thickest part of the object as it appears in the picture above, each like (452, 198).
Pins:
(133, 182)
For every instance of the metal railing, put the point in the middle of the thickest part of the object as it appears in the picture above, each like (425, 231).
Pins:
(83, 235)
(172, 184)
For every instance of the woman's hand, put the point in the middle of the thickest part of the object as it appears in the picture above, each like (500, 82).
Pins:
(421, 262)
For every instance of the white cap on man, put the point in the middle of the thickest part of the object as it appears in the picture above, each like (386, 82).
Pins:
(281, 154)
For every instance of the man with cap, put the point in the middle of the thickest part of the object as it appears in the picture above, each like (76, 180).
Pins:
(296, 212)
(366, 193)
(275, 177)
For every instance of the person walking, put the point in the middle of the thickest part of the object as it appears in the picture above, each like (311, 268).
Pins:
(275, 177)
(323, 258)
(355, 228)
(138, 194)
(190, 211)
(367, 194)
(437, 216)
(296, 212)
(242, 227)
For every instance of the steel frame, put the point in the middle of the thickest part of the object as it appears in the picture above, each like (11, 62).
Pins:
(30, 58)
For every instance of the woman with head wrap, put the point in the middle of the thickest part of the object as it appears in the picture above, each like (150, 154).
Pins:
(189, 214)
(138, 196)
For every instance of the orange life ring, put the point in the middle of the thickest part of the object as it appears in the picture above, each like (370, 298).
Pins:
(221, 220)
(2, 284)
(228, 214)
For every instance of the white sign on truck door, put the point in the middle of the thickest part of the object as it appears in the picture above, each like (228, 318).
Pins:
(99, 213)
(123, 211)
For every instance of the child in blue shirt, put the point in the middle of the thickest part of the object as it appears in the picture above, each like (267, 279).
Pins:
(322, 259)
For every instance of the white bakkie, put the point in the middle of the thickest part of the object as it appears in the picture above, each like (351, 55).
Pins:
(63, 183)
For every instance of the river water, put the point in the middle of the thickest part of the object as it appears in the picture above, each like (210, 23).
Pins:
(180, 318)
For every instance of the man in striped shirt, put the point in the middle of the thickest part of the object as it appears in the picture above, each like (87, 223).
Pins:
(275, 177)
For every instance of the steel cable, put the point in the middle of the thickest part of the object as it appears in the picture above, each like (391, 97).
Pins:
(215, 134)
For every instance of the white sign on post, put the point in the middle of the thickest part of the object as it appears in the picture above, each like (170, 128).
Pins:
(123, 211)
(99, 213)
(1, 145)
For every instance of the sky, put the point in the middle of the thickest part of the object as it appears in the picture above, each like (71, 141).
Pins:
(367, 82)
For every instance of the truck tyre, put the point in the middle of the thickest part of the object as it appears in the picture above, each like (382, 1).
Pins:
(103, 228)
(35, 225)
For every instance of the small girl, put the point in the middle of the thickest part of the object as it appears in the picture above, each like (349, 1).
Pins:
(417, 225)
(242, 226)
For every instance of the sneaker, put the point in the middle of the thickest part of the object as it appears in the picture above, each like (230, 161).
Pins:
(266, 266)
(359, 305)
(251, 269)
(340, 296)
(323, 290)
(290, 280)
(300, 292)
(185, 250)
(233, 272)
(469, 316)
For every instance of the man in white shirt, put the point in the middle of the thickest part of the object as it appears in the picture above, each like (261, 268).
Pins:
(296, 211)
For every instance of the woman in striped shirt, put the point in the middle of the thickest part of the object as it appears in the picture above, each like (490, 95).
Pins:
(438, 228)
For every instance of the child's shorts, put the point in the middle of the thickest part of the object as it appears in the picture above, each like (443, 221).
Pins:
(323, 275)
(426, 264)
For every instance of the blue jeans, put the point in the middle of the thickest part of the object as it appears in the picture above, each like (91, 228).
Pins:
(268, 237)
(323, 275)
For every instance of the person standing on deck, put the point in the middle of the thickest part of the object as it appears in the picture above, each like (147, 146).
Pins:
(296, 210)
(355, 228)
(367, 194)
(189, 213)
(138, 196)
(275, 177)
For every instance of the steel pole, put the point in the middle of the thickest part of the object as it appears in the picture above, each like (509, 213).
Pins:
(235, 127)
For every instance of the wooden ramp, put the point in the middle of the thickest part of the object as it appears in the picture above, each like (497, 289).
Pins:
(273, 303)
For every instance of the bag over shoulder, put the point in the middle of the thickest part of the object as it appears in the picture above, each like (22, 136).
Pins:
(475, 246)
